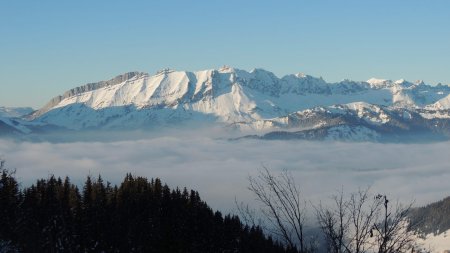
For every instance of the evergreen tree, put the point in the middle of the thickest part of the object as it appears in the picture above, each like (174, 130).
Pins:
(9, 204)
(138, 216)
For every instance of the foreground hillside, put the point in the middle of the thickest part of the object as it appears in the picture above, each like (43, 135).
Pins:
(433, 222)
(433, 218)
(141, 215)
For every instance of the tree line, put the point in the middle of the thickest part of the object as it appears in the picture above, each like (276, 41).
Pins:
(142, 215)
(139, 215)
(434, 218)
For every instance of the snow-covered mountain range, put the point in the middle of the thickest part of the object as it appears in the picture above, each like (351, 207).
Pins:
(294, 106)
(10, 122)
(9, 112)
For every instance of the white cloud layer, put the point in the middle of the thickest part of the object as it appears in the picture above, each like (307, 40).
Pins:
(218, 169)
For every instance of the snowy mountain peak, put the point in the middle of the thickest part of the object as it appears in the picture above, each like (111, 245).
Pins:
(379, 83)
(300, 75)
(254, 100)
(419, 82)
(226, 69)
(403, 83)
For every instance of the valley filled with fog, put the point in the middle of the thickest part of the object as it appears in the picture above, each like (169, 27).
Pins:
(218, 168)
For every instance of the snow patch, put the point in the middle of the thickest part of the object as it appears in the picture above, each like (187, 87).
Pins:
(439, 243)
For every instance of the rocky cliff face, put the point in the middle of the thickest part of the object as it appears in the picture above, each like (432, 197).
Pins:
(85, 88)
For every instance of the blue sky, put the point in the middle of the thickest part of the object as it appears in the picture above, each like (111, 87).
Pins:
(47, 47)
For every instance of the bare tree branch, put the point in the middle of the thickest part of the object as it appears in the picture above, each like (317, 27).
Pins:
(283, 205)
(365, 224)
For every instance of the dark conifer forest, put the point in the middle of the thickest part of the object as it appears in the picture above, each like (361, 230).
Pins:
(139, 215)
(432, 218)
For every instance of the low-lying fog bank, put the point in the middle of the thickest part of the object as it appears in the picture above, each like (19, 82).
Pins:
(218, 168)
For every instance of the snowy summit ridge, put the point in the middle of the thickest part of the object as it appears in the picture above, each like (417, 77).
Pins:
(254, 100)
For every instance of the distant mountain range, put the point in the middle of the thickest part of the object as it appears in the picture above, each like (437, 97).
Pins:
(258, 104)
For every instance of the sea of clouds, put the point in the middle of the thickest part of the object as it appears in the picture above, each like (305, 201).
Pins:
(219, 168)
